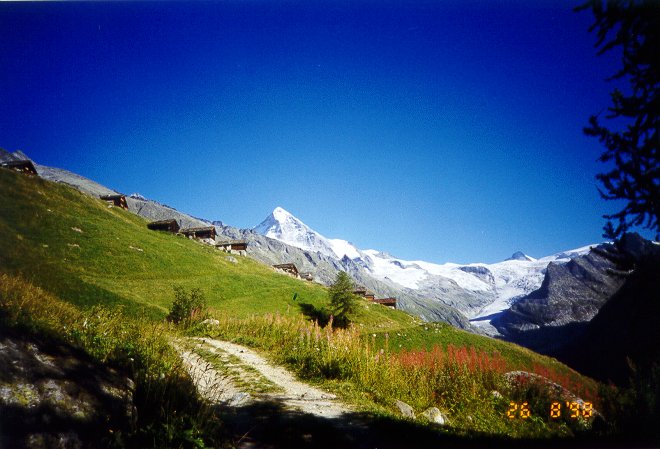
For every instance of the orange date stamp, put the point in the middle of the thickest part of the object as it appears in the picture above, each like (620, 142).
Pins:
(575, 410)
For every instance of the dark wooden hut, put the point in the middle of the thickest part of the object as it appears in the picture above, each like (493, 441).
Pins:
(116, 200)
(389, 302)
(23, 166)
(207, 232)
(232, 246)
(164, 225)
(288, 268)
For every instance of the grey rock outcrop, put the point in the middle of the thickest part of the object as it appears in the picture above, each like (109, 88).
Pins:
(55, 396)
(571, 295)
(79, 182)
(154, 211)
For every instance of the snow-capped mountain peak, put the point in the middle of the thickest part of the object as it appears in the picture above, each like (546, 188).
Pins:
(284, 226)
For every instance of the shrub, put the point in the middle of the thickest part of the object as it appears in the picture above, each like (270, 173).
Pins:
(187, 308)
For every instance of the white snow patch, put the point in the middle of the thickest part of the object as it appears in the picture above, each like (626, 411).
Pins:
(398, 271)
(343, 248)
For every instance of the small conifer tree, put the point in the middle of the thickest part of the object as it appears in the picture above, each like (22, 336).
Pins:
(342, 300)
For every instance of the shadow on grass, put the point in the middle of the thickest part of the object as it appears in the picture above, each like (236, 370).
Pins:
(272, 425)
(321, 316)
(55, 395)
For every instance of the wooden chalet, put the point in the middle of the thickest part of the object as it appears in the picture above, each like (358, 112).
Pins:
(164, 225)
(389, 302)
(207, 232)
(115, 200)
(371, 297)
(307, 276)
(288, 268)
(22, 166)
(233, 247)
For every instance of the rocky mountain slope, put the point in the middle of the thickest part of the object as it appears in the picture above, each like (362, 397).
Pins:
(571, 295)
(624, 334)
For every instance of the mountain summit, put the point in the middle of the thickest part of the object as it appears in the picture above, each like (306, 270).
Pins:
(283, 226)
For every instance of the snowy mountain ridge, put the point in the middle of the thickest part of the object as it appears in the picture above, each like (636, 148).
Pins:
(492, 287)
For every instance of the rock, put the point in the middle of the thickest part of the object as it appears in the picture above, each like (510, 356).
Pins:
(211, 322)
(406, 410)
(231, 259)
(52, 395)
(239, 399)
(435, 416)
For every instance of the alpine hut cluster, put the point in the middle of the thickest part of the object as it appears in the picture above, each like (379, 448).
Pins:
(206, 234)
(233, 247)
(371, 297)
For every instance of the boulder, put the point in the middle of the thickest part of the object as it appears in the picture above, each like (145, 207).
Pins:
(406, 410)
(211, 322)
(435, 416)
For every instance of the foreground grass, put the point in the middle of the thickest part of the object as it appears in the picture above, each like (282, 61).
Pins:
(170, 414)
(458, 380)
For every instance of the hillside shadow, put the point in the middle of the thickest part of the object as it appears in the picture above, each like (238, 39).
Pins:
(547, 340)
(57, 395)
(321, 316)
(272, 425)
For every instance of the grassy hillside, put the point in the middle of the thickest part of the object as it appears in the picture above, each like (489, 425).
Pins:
(80, 250)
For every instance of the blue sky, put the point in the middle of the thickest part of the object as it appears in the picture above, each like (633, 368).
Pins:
(443, 131)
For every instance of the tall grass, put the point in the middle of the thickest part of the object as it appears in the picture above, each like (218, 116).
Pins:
(169, 413)
(459, 380)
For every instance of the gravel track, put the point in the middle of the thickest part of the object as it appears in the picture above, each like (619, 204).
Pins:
(219, 388)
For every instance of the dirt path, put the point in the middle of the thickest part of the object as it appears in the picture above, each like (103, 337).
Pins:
(292, 393)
